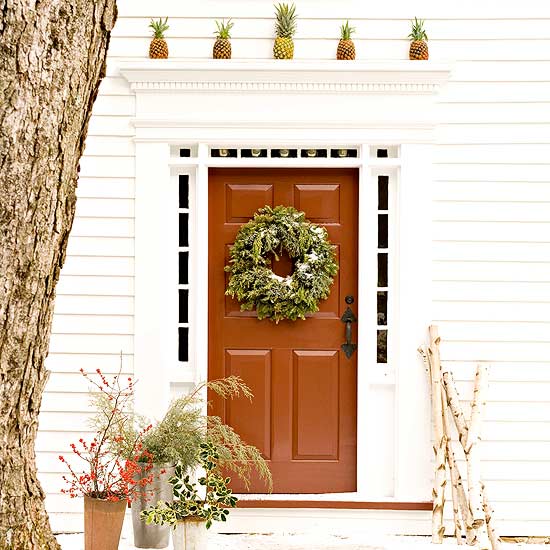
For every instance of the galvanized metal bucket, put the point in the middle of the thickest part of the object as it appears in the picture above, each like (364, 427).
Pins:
(190, 534)
(153, 536)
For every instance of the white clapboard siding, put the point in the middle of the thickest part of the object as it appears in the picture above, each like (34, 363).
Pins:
(105, 188)
(487, 191)
(103, 227)
(453, 270)
(491, 221)
(108, 363)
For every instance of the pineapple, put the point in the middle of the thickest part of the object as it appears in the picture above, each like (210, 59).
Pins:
(158, 49)
(285, 29)
(222, 46)
(346, 47)
(418, 36)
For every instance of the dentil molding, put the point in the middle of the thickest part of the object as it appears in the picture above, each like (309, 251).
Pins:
(292, 76)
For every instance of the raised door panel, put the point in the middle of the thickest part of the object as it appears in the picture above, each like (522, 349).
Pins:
(320, 202)
(251, 419)
(315, 405)
(241, 201)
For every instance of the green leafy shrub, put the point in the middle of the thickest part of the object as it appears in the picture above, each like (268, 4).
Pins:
(188, 503)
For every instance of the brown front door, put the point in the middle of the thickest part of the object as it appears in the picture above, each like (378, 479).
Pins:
(303, 416)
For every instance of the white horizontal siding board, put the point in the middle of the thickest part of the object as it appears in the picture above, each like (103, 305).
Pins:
(71, 362)
(51, 421)
(490, 311)
(120, 126)
(503, 491)
(502, 71)
(489, 92)
(93, 324)
(492, 172)
(101, 246)
(498, 470)
(501, 371)
(511, 451)
(511, 411)
(492, 133)
(95, 305)
(105, 188)
(503, 330)
(103, 227)
(492, 231)
(90, 265)
(105, 208)
(66, 402)
(531, 153)
(123, 167)
(488, 211)
(491, 271)
(498, 351)
(91, 343)
(109, 146)
(100, 286)
(496, 251)
(499, 391)
(60, 440)
(495, 113)
(516, 431)
(114, 105)
(492, 291)
(75, 382)
(487, 191)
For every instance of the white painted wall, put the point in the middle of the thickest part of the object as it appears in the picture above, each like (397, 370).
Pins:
(491, 227)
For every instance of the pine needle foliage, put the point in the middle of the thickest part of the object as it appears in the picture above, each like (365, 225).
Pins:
(254, 284)
(178, 436)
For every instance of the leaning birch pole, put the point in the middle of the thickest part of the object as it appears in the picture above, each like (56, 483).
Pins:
(461, 506)
(493, 537)
(472, 450)
(453, 401)
(440, 439)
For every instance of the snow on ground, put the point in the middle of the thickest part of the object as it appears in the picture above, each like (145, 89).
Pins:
(310, 541)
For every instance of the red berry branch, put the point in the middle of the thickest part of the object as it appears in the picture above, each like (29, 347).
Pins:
(106, 475)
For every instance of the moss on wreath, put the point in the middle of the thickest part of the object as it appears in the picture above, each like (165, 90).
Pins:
(253, 283)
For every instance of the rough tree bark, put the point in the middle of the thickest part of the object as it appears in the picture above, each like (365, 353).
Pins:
(52, 59)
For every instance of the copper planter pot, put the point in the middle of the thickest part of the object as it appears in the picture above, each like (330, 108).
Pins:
(102, 523)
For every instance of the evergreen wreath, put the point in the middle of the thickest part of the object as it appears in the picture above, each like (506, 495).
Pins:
(254, 284)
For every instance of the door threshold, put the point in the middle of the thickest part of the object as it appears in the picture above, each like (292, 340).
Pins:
(350, 501)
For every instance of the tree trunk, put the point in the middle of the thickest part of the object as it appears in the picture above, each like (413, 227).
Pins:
(52, 59)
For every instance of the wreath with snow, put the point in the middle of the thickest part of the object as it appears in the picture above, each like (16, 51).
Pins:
(252, 281)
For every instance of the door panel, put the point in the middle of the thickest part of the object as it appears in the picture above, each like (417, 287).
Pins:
(303, 416)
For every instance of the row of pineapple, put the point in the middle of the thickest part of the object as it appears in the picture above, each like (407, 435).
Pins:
(285, 29)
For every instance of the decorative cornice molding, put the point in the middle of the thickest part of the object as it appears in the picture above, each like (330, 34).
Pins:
(393, 77)
(295, 87)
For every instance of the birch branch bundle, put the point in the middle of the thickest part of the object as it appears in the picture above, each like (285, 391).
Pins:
(472, 509)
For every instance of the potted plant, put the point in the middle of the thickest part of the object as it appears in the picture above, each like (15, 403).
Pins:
(176, 439)
(196, 504)
(107, 480)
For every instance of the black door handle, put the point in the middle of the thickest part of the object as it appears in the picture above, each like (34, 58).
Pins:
(348, 318)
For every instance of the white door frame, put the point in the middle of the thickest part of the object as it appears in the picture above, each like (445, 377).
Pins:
(329, 103)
